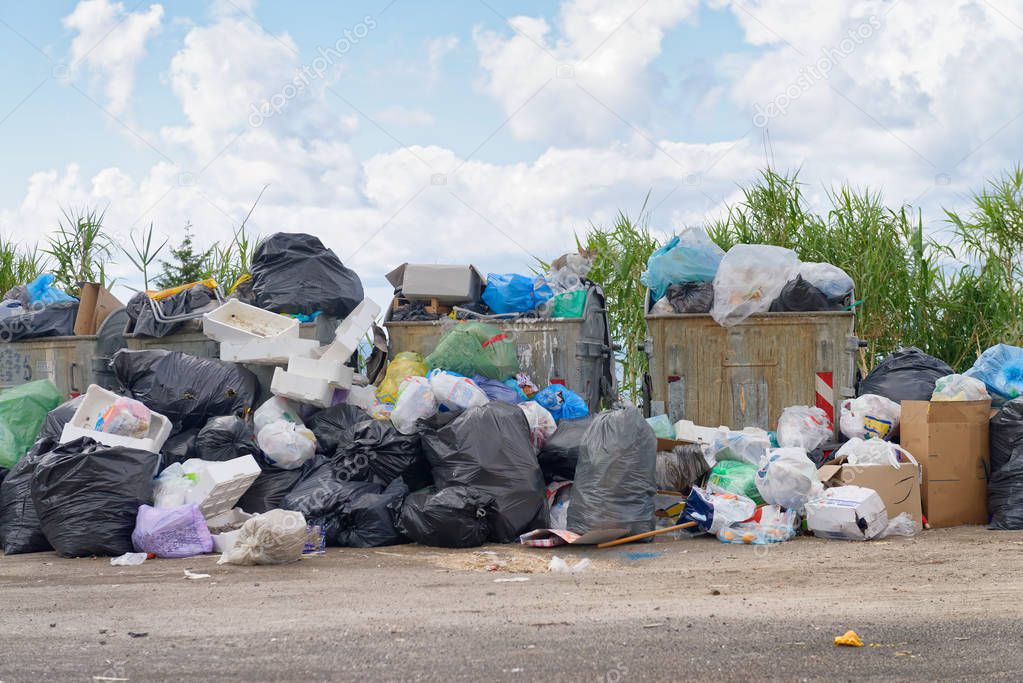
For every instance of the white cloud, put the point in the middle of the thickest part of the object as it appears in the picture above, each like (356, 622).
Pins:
(403, 116)
(109, 43)
(436, 50)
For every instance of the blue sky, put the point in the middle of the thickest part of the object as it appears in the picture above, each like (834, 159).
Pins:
(490, 131)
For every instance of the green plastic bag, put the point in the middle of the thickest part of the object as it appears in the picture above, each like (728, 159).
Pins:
(736, 477)
(476, 349)
(22, 411)
(569, 304)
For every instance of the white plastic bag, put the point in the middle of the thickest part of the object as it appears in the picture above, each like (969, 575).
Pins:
(788, 478)
(275, 537)
(275, 409)
(541, 423)
(959, 388)
(857, 451)
(869, 417)
(286, 444)
(749, 278)
(749, 446)
(456, 392)
(171, 488)
(833, 282)
(803, 427)
(416, 401)
(902, 524)
(362, 397)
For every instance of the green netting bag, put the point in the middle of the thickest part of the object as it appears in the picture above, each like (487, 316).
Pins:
(476, 348)
(736, 477)
(22, 411)
(569, 304)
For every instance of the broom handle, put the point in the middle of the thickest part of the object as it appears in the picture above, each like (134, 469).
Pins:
(646, 534)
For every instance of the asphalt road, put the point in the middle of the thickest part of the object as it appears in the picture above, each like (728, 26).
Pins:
(944, 606)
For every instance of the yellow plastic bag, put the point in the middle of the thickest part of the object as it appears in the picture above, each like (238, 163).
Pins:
(405, 364)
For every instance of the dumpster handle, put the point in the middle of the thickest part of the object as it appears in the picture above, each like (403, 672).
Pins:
(71, 377)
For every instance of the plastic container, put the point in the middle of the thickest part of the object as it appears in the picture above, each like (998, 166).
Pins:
(221, 484)
(337, 374)
(271, 351)
(97, 400)
(224, 541)
(235, 322)
(686, 430)
(311, 390)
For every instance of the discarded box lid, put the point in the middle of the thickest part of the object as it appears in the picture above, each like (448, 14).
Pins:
(445, 283)
(221, 484)
(686, 430)
(237, 322)
(96, 401)
(337, 374)
(351, 330)
(314, 391)
(270, 351)
(851, 513)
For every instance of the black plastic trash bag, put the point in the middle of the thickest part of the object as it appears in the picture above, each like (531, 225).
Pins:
(455, 517)
(488, 448)
(20, 531)
(691, 297)
(908, 374)
(321, 496)
(329, 426)
(799, 295)
(560, 453)
(53, 425)
(179, 447)
(616, 478)
(56, 320)
(1005, 494)
(680, 468)
(272, 485)
(141, 320)
(186, 389)
(368, 519)
(224, 438)
(87, 496)
(295, 273)
(1006, 433)
(376, 451)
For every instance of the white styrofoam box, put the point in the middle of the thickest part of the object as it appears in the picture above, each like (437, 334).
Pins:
(271, 351)
(224, 541)
(311, 390)
(686, 430)
(221, 484)
(337, 374)
(237, 322)
(97, 400)
(351, 330)
(851, 513)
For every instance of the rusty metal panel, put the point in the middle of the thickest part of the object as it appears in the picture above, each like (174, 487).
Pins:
(747, 374)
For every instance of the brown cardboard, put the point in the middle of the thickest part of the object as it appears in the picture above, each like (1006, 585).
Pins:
(95, 304)
(668, 445)
(899, 487)
(950, 441)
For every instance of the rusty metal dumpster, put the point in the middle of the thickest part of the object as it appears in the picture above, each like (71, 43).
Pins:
(744, 376)
(65, 361)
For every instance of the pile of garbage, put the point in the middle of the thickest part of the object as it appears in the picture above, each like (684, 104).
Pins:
(691, 274)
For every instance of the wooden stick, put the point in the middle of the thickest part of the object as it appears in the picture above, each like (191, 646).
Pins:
(646, 534)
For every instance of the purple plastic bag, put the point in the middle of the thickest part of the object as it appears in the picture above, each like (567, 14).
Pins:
(171, 532)
(497, 391)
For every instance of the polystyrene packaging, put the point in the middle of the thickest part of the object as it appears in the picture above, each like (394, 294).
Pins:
(750, 277)
(126, 417)
(286, 444)
(541, 423)
(275, 409)
(416, 401)
(805, 427)
(788, 478)
(869, 417)
(456, 392)
(959, 388)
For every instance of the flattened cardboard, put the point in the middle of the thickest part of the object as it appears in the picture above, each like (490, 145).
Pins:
(898, 487)
(95, 304)
(451, 284)
(950, 441)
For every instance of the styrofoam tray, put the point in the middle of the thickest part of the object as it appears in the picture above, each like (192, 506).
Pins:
(272, 351)
(97, 400)
(223, 542)
(237, 322)
(337, 374)
(351, 330)
(311, 390)
(221, 484)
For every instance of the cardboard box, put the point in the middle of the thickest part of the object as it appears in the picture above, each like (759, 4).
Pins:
(849, 513)
(899, 487)
(446, 284)
(950, 441)
(94, 305)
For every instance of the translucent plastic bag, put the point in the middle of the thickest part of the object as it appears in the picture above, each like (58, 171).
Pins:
(275, 537)
(416, 401)
(832, 281)
(901, 524)
(511, 293)
(454, 392)
(803, 427)
(749, 279)
(562, 403)
(788, 478)
(41, 292)
(275, 409)
(286, 444)
(689, 257)
(959, 388)
(748, 446)
(171, 532)
(476, 348)
(1000, 368)
(541, 424)
(125, 417)
(870, 417)
(771, 524)
(403, 365)
(735, 477)
(714, 509)
(661, 424)
(858, 451)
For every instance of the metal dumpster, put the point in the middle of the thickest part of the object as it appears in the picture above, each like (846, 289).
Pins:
(575, 352)
(744, 376)
(65, 361)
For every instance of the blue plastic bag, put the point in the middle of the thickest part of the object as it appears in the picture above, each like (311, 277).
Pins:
(499, 391)
(41, 291)
(511, 293)
(562, 403)
(1000, 368)
(689, 257)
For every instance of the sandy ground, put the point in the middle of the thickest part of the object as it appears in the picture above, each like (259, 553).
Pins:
(944, 606)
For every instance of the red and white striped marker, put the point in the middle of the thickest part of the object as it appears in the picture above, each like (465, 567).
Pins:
(825, 399)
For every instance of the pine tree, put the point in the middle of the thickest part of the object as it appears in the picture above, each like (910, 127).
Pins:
(188, 265)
